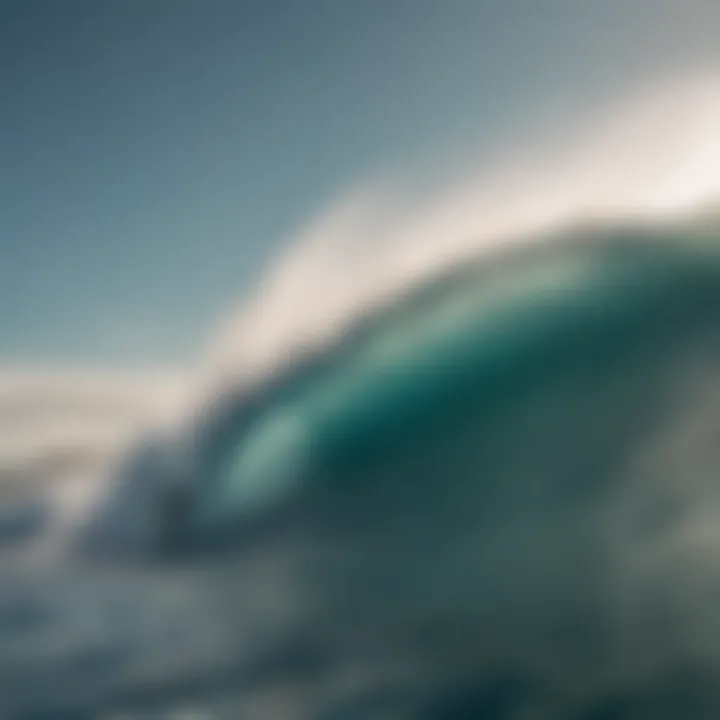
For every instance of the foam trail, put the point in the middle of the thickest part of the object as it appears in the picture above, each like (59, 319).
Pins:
(654, 155)
(62, 429)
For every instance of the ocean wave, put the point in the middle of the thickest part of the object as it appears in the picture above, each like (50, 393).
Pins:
(477, 480)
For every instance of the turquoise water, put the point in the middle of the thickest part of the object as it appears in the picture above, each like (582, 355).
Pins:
(460, 349)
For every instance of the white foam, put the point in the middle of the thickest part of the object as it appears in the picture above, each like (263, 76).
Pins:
(655, 154)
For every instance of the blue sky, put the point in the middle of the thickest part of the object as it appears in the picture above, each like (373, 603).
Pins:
(155, 154)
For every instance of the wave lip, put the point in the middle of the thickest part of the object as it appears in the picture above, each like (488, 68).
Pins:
(476, 334)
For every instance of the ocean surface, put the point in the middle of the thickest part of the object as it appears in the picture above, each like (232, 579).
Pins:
(493, 495)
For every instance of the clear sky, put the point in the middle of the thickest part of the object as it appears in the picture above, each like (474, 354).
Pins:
(155, 154)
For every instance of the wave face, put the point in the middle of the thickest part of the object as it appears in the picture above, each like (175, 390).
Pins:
(494, 497)
(450, 352)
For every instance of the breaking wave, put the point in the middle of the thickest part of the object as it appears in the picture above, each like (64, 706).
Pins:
(476, 477)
